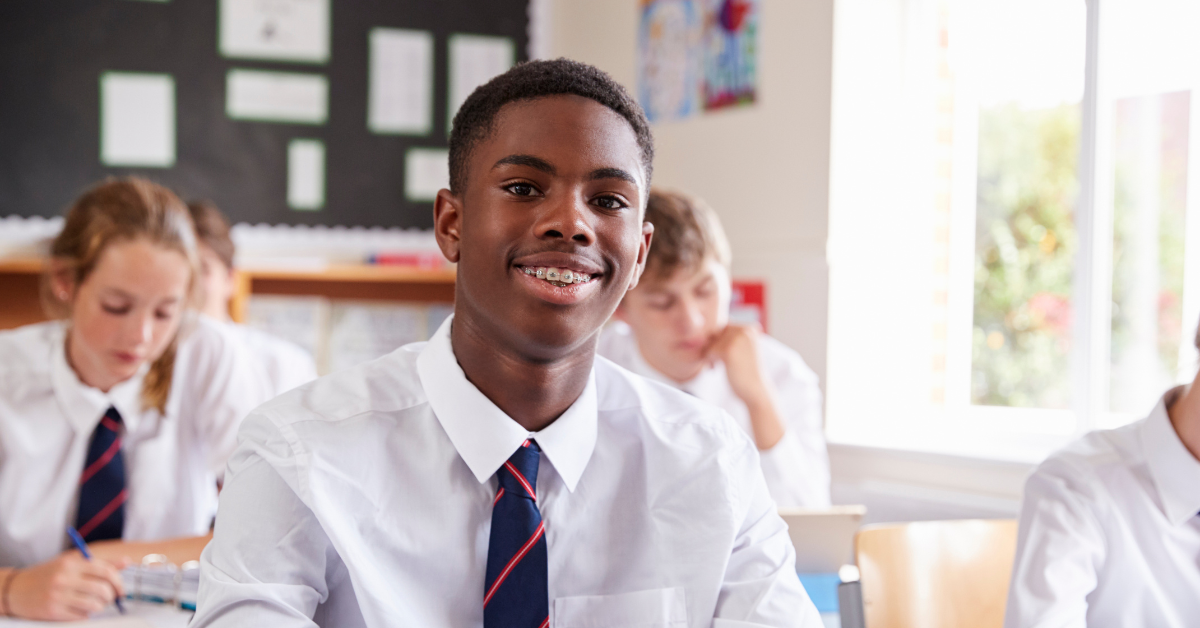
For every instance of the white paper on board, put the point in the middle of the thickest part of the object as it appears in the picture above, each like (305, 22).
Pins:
(426, 170)
(306, 174)
(400, 95)
(475, 60)
(276, 96)
(281, 30)
(137, 119)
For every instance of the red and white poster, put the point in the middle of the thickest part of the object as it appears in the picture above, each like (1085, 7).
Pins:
(748, 303)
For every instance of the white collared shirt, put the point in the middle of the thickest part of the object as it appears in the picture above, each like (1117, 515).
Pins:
(797, 467)
(1109, 532)
(47, 416)
(365, 499)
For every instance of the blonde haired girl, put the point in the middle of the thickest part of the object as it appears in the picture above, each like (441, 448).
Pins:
(117, 417)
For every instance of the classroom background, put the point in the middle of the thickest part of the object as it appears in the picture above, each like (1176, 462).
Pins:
(973, 220)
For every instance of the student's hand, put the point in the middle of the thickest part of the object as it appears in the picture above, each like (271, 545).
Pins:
(737, 347)
(68, 587)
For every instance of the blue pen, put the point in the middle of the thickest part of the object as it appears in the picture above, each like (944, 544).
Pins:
(88, 555)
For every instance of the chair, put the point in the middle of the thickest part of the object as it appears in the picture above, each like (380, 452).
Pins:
(936, 574)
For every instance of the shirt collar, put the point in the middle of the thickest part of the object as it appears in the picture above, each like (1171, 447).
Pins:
(83, 405)
(484, 436)
(1175, 471)
(126, 397)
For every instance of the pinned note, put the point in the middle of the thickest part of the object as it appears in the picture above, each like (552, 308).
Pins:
(475, 60)
(137, 119)
(277, 30)
(400, 95)
(306, 174)
(426, 170)
(276, 96)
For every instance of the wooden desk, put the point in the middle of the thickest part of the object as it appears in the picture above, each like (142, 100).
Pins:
(20, 278)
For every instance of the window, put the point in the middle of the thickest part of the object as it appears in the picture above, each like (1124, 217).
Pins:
(1027, 57)
(1014, 252)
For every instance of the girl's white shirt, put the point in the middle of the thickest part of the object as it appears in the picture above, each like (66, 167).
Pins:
(172, 462)
(797, 467)
(282, 364)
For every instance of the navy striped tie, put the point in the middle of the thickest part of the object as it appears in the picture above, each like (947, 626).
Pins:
(516, 586)
(102, 491)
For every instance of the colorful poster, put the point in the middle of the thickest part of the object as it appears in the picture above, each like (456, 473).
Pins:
(668, 59)
(696, 55)
(731, 53)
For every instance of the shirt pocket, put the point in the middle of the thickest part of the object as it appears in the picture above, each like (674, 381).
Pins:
(641, 609)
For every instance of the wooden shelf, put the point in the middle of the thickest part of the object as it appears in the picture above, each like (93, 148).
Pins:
(20, 279)
(22, 265)
(347, 282)
(356, 272)
(20, 292)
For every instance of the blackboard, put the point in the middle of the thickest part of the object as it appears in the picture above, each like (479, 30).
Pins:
(53, 52)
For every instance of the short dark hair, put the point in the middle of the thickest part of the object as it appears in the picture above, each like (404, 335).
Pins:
(536, 79)
(686, 234)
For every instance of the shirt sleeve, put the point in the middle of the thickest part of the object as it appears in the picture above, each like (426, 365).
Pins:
(223, 387)
(760, 586)
(269, 557)
(1060, 548)
(797, 467)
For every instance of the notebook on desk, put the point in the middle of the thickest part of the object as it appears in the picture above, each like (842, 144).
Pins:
(140, 615)
(163, 583)
(158, 595)
(824, 539)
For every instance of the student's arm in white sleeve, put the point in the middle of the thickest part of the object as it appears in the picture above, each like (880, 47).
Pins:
(1060, 548)
(797, 467)
(225, 386)
(760, 586)
(266, 564)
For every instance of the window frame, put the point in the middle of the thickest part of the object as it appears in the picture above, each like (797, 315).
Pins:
(1027, 434)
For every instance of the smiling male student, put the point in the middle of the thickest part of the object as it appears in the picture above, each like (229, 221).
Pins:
(500, 475)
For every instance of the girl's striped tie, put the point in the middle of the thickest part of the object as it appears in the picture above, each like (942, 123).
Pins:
(102, 491)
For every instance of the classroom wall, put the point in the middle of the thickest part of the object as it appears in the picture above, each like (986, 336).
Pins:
(764, 168)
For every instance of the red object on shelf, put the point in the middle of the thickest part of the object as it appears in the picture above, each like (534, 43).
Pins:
(748, 302)
(425, 260)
